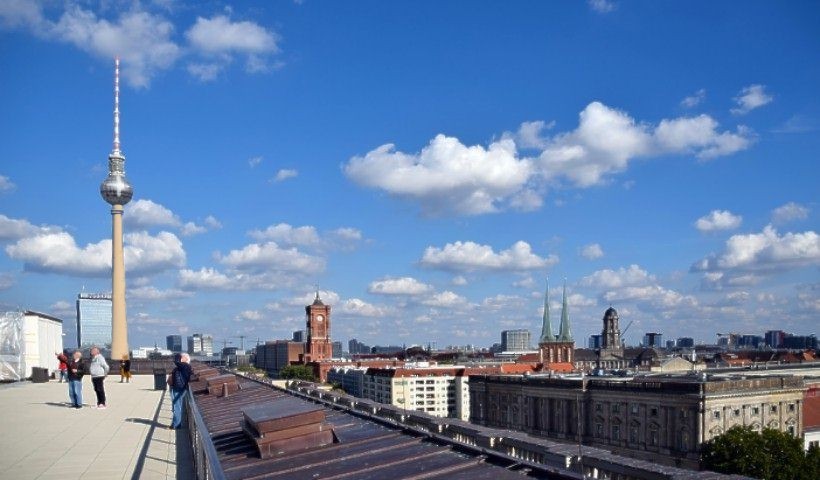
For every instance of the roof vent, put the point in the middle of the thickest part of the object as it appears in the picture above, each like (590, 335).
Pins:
(285, 426)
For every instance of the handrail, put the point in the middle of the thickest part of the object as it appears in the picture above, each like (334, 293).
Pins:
(206, 460)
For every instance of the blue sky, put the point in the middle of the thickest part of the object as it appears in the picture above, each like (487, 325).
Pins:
(428, 164)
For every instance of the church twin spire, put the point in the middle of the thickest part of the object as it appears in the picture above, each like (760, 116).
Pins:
(564, 331)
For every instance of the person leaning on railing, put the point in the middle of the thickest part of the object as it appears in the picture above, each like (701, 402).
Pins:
(178, 381)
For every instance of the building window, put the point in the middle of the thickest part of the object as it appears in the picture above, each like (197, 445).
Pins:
(755, 410)
(633, 435)
(653, 411)
(598, 407)
(792, 431)
(716, 414)
(616, 408)
(633, 408)
(736, 412)
(616, 432)
(773, 409)
(791, 407)
(599, 430)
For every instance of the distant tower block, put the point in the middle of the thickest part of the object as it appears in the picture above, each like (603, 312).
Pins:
(116, 190)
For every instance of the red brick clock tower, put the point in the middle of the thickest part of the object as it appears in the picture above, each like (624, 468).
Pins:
(318, 331)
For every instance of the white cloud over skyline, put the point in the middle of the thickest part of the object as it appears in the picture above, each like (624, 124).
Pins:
(448, 177)
(470, 256)
(718, 220)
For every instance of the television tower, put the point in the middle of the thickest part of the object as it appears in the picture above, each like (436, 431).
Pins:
(116, 190)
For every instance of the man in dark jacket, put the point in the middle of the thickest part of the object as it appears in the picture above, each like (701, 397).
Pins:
(76, 369)
(180, 377)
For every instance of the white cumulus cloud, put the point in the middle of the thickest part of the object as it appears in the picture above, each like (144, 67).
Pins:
(59, 253)
(445, 299)
(147, 213)
(695, 99)
(399, 286)
(601, 6)
(610, 279)
(6, 185)
(448, 176)
(141, 39)
(286, 234)
(263, 256)
(471, 256)
(789, 212)
(765, 251)
(592, 251)
(750, 98)
(284, 174)
(220, 39)
(358, 307)
(607, 140)
(718, 220)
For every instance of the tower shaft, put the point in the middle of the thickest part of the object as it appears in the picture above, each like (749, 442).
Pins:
(119, 329)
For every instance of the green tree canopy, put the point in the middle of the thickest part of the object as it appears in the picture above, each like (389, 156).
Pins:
(770, 455)
(298, 372)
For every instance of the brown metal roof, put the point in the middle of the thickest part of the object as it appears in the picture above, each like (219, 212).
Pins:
(365, 449)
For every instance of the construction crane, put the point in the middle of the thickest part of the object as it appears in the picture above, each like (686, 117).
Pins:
(623, 334)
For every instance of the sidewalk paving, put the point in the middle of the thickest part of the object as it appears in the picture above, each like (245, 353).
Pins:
(42, 438)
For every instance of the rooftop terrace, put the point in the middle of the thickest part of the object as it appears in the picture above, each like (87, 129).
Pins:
(42, 438)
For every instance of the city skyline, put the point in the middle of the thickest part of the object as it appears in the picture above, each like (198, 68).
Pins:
(429, 166)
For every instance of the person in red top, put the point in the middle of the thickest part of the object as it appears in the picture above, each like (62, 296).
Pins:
(62, 369)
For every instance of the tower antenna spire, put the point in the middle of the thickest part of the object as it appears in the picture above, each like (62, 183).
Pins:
(117, 104)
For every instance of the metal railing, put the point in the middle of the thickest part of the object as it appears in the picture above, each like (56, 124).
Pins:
(206, 461)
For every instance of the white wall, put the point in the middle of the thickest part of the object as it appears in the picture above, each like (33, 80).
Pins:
(42, 338)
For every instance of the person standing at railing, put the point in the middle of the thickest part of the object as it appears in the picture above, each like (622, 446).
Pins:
(178, 381)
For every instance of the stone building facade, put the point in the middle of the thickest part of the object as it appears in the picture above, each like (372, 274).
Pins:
(662, 419)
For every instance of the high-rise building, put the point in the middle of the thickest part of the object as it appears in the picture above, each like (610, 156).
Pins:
(685, 342)
(515, 340)
(195, 344)
(207, 345)
(94, 320)
(274, 356)
(174, 343)
(749, 341)
(774, 338)
(318, 331)
(299, 336)
(800, 342)
(356, 347)
(653, 339)
(595, 341)
(199, 344)
(338, 351)
(116, 191)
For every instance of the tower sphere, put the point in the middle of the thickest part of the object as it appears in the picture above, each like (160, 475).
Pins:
(115, 189)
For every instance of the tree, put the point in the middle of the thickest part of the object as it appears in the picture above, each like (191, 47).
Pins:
(299, 372)
(770, 455)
